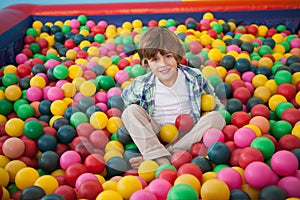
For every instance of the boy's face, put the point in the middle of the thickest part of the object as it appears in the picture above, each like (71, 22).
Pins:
(164, 67)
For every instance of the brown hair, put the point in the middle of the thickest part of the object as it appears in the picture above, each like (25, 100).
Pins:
(162, 40)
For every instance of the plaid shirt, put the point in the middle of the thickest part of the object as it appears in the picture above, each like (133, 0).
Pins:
(142, 91)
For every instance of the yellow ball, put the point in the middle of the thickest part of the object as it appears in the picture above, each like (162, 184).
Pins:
(181, 28)
(14, 127)
(232, 77)
(295, 78)
(222, 71)
(275, 100)
(99, 120)
(81, 61)
(48, 183)
(4, 177)
(297, 98)
(127, 25)
(105, 62)
(218, 43)
(262, 30)
(58, 107)
(108, 195)
(114, 123)
(114, 145)
(2, 96)
(264, 61)
(215, 189)
(272, 86)
(3, 161)
(69, 89)
(37, 24)
(26, 177)
(110, 185)
(189, 179)
(137, 23)
(252, 192)
(13, 167)
(10, 69)
(58, 172)
(50, 40)
(208, 16)
(112, 153)
(232, 26)
(75, 71)
(84, 43)
(215, 54)
(127, 185)
(111, 70)
(147, 170)
(71, 54)
(93, 51)
(208, 102)
(279, 48)
(277, 37)
(263, 93)
(13, 93)
(296, 131)
(205, 39)
(37, 81)
(88, 88)
(207, 176)
(259, 80)
(209, 70)
(168, 133)
(59, 23)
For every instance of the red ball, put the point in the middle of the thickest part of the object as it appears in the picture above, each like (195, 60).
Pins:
(30, 147)
(260, 110)
(43, 43)
(152, 23)
(287, 90)
(123, 63)
(184, 123)
(240, 119)
(271, 32)
(61, 148)
(291, 115)
(29, 39)
(237, 84)
(252, 30)
(198, 149)
(229, 131)
(99, 138)
(234, 157)
(98, 29)
(27, 52)
(190, 168)
(66, 191)
(212, 33)
(77, 140)
(242, 93)
(73, 172)
(84, 149)
(168, 174)
(231, 145)
(298, 86)
(89, 189)
(249, 155)
(295, 104)
(181, 157)
(113, 112)
(23, 70)
(69, 44)
(289, 142)
(94, 163)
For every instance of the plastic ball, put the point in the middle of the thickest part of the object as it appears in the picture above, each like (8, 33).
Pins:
(180, 157)
(239, 194)
(78, 118)
(243, 137)
(143, 194)
(218, 153)
(290, 185)
(215, 189)
(113, 124)
(212, 135)
(90, 189)
(283, 76)
(13, 147)
(233, 105)
(291, 115)
(33, 192)
(94, 163)
(47, 183)
(182, 190)
(47, 142)
(73, 172)
(168, 133)
(242, 93)
(99, 120)
(83, 178)
(106, 82)
(190, 168)
(264, 145)
(208, 102)
(184, 123)
(258, 175)
(26, 177)
(14, 127)
(49, 161)
(109, 194)
(284, 163)
(281, 128)
(272, 191)
(249, 155)
(127, 185)
(240, 119)
(34, 94)
(116, 166)
(68, 158)
(147, 169)
(12, 93)
(275, 100)
(231, 177)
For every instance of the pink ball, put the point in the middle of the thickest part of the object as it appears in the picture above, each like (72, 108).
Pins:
(231, 177)
(103, 51)
(60, 83)
(13, 147)
(68, 158)
(85, 177)
(284, 163)
(243, 137)
(114, 91)
(110, 46)
(34, 93)
(195, 46)
(103, 23)
(258, 175)
(55, 93)
(121, 76)
(248, 76)
(21, 58)
(51, 63)
(290, 185)
(213, 135)
(103, 106)
(77, 96)
(233, 47)
(143, 181)
(295, 43)
(250, 87)
(90, 23)
(101, 97)
(84, 129)
(45, 91)
(160, 187)
(143, 194)
(257, 41)
(74, 23)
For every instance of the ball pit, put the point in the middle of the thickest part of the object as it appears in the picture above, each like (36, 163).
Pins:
(61, 133)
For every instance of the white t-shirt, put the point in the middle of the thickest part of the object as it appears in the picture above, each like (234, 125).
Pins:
(171, 101)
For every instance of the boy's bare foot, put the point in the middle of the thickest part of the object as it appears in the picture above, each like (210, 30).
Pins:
(162, 160)
(136, 161)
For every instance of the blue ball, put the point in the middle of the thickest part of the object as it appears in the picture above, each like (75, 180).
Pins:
(218, 153)
(66, 134)
(47, 142)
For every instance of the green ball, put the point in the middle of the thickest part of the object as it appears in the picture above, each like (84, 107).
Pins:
(50, 56)
(12, 189)
(163, 167)
(128, 69)
(137, 70)
(65, 29)
(289, 38)
(265, 49)
(131, 146)
(218, 27)
(127, 40)
(283, 76)
(78, 118)
(25, 111)
(170, 22)
(118, 40)
(31, 31)
(281, 28)
(60, 71)
(219, 167)
(281, 107)
(33, 129)
(286, 46)
(226, 115)
(106, 82)
(181, 192)
(5, 107)
(82, 19)
(281, 128)
(214, 80)
(204, 54)
(9, 79)
(113, 137)
(84, 28)
(115, 59)
(35, 48)
(100, 38)
(264, 145)
(18, 103)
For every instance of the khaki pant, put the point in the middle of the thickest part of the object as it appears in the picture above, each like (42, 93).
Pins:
(144, 131)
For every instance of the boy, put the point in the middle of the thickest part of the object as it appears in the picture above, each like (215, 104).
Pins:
(158, 97)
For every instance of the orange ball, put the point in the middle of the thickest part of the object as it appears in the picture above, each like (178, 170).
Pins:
(262, 123)
(13, 147)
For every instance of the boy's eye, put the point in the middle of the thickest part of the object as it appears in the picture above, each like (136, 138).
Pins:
(169, 56)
